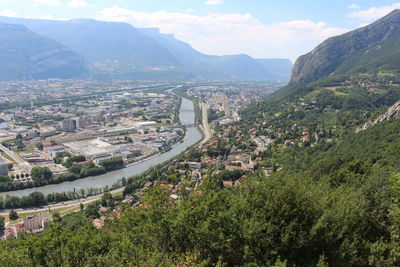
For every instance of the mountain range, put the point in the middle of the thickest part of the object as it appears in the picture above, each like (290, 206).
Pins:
(370, 48)
(115, 50)
(27, 55)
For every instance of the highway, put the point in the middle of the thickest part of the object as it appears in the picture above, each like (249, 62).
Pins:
(66, 204)
(205, 125)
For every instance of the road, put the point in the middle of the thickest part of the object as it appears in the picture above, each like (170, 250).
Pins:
(11, 154)
(205, 125)
(66, 204)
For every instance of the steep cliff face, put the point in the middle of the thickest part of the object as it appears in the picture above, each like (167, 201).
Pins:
(328, 57)
(27, 55)
(392, 113)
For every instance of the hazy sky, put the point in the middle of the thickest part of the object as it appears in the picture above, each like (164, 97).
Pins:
(260, 28)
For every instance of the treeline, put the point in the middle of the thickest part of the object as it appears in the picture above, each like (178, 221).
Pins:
(37, 199)
(112, 164)
(131, 184)
(279, 221)
(55, 179)
(177, 108)
(42, 176)
(331, 204)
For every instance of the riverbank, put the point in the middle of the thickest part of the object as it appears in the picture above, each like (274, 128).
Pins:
(74, 203)
(70, 176)
(192, 137)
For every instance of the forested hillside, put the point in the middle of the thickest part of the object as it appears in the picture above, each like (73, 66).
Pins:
(331, 199)
(336, 209)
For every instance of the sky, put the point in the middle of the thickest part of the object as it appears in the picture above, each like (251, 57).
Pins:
(259, 28)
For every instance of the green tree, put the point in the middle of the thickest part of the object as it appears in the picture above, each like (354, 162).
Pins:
(13, 215)
(2, 223)
(74, 169)
(92, 211)
(56, 217)
(40, 146)
(4, 179)
(37, 199)
(107, 200)
(112, 163)
(41, 173)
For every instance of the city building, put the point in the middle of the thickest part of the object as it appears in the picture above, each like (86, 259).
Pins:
(37, 221)
(68, 125)
(55, 151)
(9, 233)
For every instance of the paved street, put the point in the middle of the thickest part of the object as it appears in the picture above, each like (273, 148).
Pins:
(205, 125)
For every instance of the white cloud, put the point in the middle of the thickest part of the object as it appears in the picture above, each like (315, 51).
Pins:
(4, 1)
(214, 2)
(47, 16)
(8, 13)
(353, 6)
(231, 33)
(47, 2)
(374, 13)
(78, 4)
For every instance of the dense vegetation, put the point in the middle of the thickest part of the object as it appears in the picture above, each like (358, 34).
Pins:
(331, 204)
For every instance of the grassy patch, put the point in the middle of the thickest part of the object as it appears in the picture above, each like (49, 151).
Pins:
(4, 155)
(31, 151)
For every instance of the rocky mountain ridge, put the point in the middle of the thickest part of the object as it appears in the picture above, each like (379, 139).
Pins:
(327, 57)
(392, 113)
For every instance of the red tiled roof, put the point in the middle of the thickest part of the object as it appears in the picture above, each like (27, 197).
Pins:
(232, 168)
(227, 183)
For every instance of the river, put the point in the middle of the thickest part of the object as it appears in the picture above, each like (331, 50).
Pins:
(193, 135)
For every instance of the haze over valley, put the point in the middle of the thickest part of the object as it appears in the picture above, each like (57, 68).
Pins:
(114, 50)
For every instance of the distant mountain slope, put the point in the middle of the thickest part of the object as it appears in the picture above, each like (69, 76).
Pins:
(221, 67)
(373, 47)
(99, 41)
(182, 51)
(113, 49)
(119, 50)
(27, 55)
(280, 68)
(239, 67)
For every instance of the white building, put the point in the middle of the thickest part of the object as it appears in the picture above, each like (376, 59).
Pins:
(37, 221)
